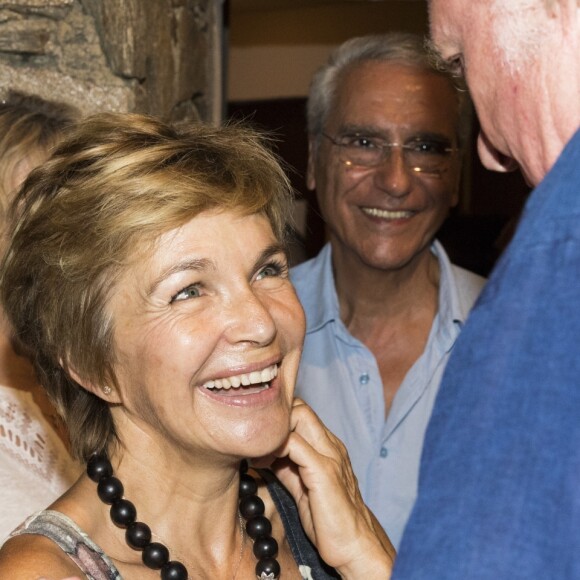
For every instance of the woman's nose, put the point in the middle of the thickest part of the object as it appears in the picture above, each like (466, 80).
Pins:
(250, 319)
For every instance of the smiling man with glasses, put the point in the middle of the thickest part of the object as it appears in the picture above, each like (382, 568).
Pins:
(384, 305)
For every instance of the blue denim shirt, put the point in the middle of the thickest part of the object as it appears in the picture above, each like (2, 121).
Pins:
(339, 377)
(499, 494)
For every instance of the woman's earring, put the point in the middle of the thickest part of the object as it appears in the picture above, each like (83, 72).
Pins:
(107, 390)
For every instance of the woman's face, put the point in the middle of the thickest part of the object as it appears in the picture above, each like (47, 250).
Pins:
(208, 337)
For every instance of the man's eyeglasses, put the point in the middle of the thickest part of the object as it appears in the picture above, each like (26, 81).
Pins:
(420, 155)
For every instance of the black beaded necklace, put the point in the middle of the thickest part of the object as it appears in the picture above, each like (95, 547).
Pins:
(155, 555)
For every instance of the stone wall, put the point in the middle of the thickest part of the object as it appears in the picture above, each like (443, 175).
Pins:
(151, 56)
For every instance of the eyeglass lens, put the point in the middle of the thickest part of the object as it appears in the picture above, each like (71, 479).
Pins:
(421, 155)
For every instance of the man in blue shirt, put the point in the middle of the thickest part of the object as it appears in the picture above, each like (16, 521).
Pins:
(383, 303)
(499, 492)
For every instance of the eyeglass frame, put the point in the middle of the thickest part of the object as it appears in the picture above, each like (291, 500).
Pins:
(388, 147)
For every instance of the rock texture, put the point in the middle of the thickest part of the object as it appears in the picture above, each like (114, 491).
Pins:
(152, 56)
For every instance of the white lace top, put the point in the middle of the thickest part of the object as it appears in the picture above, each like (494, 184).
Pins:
(35, 467)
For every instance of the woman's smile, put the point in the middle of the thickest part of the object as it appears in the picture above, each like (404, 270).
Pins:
(253, 378)
(256, 388)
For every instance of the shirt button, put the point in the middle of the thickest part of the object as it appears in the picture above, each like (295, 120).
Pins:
(364, 379)
(384, 452)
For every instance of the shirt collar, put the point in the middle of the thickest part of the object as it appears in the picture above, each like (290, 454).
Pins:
(322, 307)
(453, 310)
(321, 304)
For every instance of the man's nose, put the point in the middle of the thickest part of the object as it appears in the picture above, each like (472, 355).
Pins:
(393, 175)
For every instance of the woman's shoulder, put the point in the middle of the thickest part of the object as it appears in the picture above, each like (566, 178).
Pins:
(32, 556)
(58, 545)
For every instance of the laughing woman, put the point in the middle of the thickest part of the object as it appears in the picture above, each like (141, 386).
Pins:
(147, 278)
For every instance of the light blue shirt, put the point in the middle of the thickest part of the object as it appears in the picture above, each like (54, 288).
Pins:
(339, 377)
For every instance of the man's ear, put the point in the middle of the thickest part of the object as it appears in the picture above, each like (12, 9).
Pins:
(311, 169)
(107, 393)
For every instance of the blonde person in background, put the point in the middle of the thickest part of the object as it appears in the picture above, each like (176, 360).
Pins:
(35, 465)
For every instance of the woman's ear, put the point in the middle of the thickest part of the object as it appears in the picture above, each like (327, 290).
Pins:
(105, 392)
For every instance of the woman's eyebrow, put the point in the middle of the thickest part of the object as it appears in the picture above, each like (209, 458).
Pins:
(194, 264)
(204, 264)
(268, 252)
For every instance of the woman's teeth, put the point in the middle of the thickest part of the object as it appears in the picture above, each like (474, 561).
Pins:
(244, 380)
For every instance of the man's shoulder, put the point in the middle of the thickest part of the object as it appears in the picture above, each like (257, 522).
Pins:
(465, 283)
(467, 286)
(468, 279)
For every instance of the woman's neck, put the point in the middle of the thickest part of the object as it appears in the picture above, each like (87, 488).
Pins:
(191, 506)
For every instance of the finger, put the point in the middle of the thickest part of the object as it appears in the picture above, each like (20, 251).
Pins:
(307, 423)
(323, 447)
(287, 472)
(317, 470)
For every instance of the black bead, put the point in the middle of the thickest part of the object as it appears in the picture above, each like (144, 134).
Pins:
(258, 526)
(98, 467)
(138, 535)
(110, 489)
(251, 506)
(269, 566)
(155, 556)
(174, 570)
(266, 547)
(123, 513)
(248, 485)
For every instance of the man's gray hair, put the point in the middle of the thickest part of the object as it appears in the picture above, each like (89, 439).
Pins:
(401, 47)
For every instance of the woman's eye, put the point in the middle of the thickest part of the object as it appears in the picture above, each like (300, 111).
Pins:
(272, 271)
(192, 291)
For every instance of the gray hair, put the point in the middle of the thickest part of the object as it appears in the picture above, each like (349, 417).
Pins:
(402, 47)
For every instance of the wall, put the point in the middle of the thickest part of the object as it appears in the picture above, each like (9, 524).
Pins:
(119, 55)
(273, 53)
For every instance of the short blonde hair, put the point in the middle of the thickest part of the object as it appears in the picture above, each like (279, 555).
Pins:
(111, 189)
